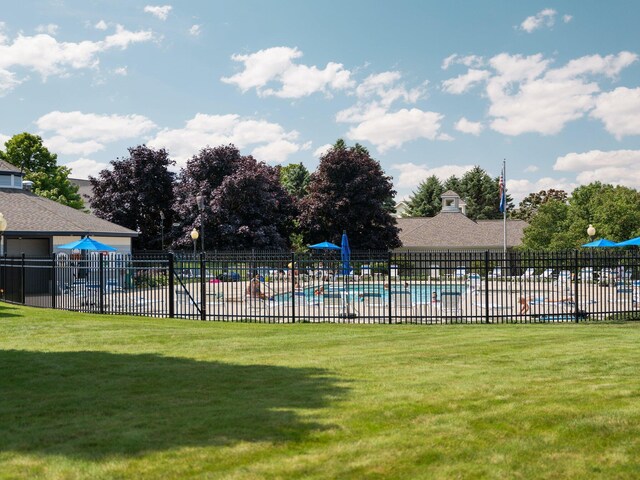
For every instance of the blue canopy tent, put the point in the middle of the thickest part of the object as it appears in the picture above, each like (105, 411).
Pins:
(629, 243)
(87, 243)
(345, 254)
(601, 243)
(325, 246)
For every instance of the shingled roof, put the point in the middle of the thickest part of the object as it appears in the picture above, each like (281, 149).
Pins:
(27, 213)
(7, 167)
(455, 230)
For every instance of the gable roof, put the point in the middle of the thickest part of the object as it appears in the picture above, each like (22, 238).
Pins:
(27, 213)
(455, 230)
(8, 167)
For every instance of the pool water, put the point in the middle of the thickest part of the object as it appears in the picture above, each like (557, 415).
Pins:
(419, 293)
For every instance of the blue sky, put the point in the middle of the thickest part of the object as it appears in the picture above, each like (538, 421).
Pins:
(430, 87)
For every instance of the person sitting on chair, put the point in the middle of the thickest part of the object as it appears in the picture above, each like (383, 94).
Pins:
(253, 288)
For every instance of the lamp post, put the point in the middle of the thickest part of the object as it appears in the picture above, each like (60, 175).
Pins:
(591, 231)
(3, 227)
(161, 230)
(194, 237)
(200, 202)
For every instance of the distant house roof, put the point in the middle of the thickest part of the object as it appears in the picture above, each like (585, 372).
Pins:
(27, 213)
(85, 190)
(6, 167)
(455, 230)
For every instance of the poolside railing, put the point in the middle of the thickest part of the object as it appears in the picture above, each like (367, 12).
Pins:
(376, 287)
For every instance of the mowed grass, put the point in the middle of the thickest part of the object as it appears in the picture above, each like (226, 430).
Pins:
(89, 396)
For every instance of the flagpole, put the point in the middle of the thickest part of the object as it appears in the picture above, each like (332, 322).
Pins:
(504, 211)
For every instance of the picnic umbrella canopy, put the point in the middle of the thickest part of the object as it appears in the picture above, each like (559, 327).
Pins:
(325, 246)
(603, 242)
(87, 243)
(345, 254)
(629, 243)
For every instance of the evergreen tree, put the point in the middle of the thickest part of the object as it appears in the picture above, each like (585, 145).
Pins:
(426, 201)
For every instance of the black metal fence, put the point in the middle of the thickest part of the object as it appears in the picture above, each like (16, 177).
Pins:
(374, 287)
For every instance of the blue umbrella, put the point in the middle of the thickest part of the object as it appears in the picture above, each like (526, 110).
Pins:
(325, 246)
(629, 243)
(345, 254)
(603, 242)
(88, 244)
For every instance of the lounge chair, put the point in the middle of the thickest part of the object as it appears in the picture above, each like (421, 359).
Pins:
(547, 274)
(460, 272)
(496, 273)
(529, 273)
(450, 303)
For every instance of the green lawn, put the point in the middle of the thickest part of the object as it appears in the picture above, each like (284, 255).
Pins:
(89, 396)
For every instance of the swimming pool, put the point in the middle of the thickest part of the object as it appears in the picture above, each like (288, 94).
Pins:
(419, 293)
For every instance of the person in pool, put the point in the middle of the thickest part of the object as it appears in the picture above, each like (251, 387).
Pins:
(253, 289)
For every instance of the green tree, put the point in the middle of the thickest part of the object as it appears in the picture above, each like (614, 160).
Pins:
(529, 206)
(613, 211)
(548, 229)
(27, 152)
(295, 179)
(481, 193)
(426, 201)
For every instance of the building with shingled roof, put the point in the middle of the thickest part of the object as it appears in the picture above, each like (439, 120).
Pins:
(452, 230)
(37, 225)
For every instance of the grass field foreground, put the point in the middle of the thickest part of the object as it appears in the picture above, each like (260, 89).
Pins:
(89, 396)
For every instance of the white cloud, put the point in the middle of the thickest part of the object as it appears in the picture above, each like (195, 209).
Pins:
(195, 30)
(520, 188)
(544, 18)
(101, 25)
(619, 110)
(531, 169)
(268, 139)
(275, 65)
(63, 145)
(276, 152)
(3, 139)
(161, 12)
(84, 167)
(466, 126)
(8, 81)
(462, 83)
(467, 61)
(100, 128)
(45, 55)
(384, 128)
(391, 130)
(121, 71)
(321, 150)
(411, 175)
(567, 18)
(526, 96)
(618, 167)
(50, 28)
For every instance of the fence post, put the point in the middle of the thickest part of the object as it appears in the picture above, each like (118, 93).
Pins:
(172, 312)
(389, 260)
(101, 281)
(576, 289)
(203, 289)
(54, 285)
(486, 285)
(293, 287)
(23, 281)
